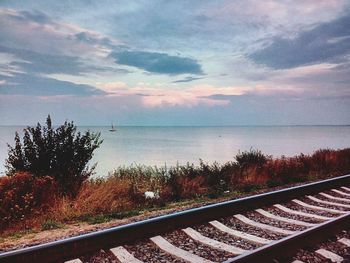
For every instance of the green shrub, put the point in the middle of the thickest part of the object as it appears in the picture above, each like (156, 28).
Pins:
(61, 153)
(251, 157)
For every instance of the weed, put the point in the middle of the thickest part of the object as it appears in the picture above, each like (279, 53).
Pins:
(103, 218)
(122, 193)
(51, 224)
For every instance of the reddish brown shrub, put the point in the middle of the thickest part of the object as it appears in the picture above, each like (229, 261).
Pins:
(341, 160)
(287, 170)
(193, 187)
(255, 175)
(23, 194)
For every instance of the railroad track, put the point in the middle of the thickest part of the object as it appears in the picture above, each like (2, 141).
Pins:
(273, 226)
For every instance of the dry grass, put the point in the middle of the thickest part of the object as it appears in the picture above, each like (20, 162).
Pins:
(122, 193)
(94, 198)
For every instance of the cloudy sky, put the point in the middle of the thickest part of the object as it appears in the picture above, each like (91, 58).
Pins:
(175, 62)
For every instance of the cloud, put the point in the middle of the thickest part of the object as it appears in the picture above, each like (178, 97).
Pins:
(32, 85)
(34, 62)
(7, 68)
(34, 48)
(159, 97)
(34, 15)
(51, 46)
(160, 63)
(39, 33)
(112, 87)
(51, 51)
(177, 99)
(327, 42)
(187, 79)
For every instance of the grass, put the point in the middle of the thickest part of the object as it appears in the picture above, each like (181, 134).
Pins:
(31, 202)
(51, 224)
(103, 218)
(19, 234)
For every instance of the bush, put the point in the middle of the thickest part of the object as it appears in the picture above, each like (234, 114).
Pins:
(250, 164)
(23, 194)
(251, 157)
(30, 201)
(61, 153)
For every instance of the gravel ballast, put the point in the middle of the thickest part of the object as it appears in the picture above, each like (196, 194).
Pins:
(312, 202)
(148, 252)
(297, 207)
(240, 226)
(102, 256)
(262, 219)
(276, 211)
(332, 245)
(213, 233)
(181, 240)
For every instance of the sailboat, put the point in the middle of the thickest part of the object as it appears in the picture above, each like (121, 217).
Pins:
(112, 129)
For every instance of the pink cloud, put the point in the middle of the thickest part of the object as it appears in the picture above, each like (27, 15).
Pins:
(112, 87)
(172, 95)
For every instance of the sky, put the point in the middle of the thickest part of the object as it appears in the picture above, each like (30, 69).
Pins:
(156, 62)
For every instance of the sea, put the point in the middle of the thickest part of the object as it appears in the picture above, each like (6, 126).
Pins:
(178, 145)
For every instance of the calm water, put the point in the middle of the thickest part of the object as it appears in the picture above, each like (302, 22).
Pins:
(169, 145)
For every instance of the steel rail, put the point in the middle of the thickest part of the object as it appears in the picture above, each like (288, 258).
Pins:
(281, 249)
(74, 247)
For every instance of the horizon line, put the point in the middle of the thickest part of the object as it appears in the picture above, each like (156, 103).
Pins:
(238, 125)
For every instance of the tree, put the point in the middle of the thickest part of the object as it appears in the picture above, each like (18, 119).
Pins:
(61, 153)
